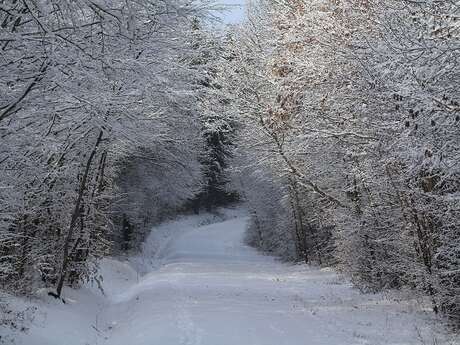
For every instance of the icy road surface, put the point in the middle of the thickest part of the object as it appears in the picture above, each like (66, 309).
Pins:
(205, 287)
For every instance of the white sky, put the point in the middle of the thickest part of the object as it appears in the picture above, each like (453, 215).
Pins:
(235, 15)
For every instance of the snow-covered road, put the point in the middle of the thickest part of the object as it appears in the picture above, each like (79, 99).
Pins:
(207, 288)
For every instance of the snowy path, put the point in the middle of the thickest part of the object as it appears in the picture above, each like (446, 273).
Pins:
(213, 290)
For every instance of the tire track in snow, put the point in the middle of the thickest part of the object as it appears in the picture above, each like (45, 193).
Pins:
(190, 333)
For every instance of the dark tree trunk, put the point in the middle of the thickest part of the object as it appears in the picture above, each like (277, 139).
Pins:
(75, 216)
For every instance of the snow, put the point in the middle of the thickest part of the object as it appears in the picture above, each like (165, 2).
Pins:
(200, 285)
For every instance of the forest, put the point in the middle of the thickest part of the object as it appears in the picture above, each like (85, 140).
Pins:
(336, 123)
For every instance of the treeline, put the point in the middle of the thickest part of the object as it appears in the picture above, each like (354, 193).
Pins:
(102, 130)
(349, 138)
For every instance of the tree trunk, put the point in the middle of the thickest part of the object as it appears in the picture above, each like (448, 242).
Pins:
(75, 216)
